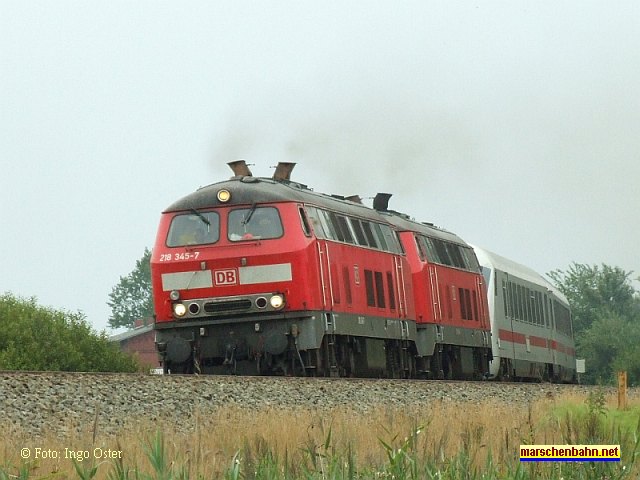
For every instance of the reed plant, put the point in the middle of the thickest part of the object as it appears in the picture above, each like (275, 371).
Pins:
(445, 441)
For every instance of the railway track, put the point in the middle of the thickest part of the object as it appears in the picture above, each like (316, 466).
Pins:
(40, 402)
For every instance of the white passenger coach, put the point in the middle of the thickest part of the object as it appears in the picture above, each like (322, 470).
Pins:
(531, 329)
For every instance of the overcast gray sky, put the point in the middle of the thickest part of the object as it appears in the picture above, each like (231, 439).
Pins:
(514, 124)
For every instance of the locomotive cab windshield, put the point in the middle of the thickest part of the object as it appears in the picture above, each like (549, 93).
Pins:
(196, 228)
(254, 223)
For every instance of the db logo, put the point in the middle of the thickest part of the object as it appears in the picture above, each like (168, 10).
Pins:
(225, 277)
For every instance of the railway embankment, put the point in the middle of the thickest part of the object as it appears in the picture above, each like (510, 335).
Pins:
(39, 403)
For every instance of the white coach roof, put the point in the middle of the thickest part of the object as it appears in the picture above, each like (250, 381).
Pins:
(492, 260)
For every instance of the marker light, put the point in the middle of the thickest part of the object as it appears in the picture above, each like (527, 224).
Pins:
(174, 295)
(277, 301)
(179, 309)
(224, 195)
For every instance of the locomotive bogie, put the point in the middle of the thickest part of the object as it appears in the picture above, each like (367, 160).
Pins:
(320, 344)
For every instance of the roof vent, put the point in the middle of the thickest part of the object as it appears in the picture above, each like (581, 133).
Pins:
(354, 199)
(283, 171)
(381, 201)
(240, 168)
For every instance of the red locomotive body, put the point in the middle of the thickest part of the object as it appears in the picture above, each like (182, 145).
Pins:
(263, 275)
(453, 329)
(258, 275)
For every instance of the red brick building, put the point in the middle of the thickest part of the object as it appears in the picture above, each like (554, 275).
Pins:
(140, 342)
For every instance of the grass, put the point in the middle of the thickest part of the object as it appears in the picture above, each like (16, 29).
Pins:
(447, 441)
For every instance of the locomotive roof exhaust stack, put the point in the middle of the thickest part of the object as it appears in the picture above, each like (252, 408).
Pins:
(240, 168)
(381, 201)
(283, 171)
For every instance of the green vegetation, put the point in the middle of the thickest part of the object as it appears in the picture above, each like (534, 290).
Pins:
(378, 445)
(606, 320)
(131, 299)
(33, 337)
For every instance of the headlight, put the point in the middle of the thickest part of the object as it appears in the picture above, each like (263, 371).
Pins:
(277, 301)
(179, 309)
(224, 195)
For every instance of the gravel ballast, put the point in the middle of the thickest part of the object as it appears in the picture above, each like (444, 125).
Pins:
(36, 403)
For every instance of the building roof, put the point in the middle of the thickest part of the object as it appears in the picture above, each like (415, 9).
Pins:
(131, 333)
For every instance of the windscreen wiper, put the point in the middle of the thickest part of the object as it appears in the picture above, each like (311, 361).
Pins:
(201, 217)
(248, 217)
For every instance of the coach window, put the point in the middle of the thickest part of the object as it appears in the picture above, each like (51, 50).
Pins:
(392, 296)
(357, 229)
(463, 305)
(539, 308)
(563, 318)
(335, 283)
(197, 228)
(505, 298)
(521, 309)
(432, 253)
(486, 274)
(371, 238)
(454, 254)
(388, 239)
(304, 222)
(368, 282)
(546, 309)
(391, 238)
(380, 237)
(314, 218)
(337, 229)
(441, 250)
(255, 223)
(512, 300)
(344, 227)
(470, 260)
(421, 249)
(448, 297)
(474, 297)
(327, 226)
(379, 290)
(347, 283)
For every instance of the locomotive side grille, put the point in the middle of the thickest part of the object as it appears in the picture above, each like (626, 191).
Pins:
(227, 306)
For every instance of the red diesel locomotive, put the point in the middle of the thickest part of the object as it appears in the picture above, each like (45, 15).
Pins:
(265, 276)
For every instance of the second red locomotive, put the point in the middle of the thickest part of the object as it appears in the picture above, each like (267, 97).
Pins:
(265, 276)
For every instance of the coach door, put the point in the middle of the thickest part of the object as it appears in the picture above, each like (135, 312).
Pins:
(324, 264)
(435, 293)
(481, 295)
(511, 302)
(400, 287)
